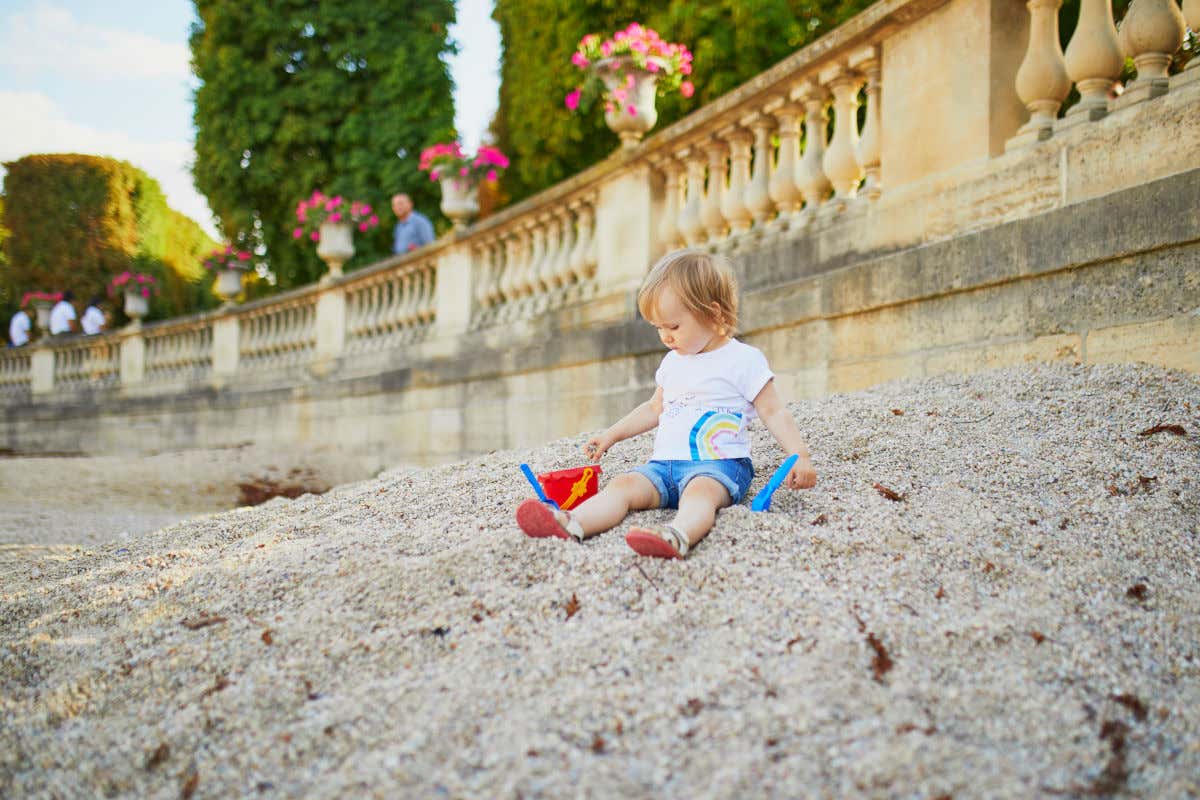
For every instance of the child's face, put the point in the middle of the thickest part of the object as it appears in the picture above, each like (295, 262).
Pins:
(680, 329)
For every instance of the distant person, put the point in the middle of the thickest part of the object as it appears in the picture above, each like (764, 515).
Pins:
(62, 316)
(413, 229)
(93, 320)
(18, 329)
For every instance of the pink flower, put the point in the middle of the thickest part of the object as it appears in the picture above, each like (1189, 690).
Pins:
(296, 234)
(362, 226)
(579, 59)
(366, 209)
(573, 99)
(632, 110)
(687, 89)
(619, 95)
(629, 80)
(652, 66)
(243, 256)
(315, 236)
(685, 68)
(335, 216)
(606, 49)
(433, 176)
(374, 220)
(462, 171)
(329, 205)
(491, 175)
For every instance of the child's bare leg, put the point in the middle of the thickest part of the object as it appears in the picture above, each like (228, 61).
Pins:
(698, 506)
(625, 493)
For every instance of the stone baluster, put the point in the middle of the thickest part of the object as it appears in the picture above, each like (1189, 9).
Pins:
(566, 246)
(1093, 60)
(549, 269)
(582, 264)
(668, 230)
(1150, 34)
(482, 256)
(733, 207)
(870, 146)
(524, 276)
(784, 192)
(537, 255)
(810, 175)
(691, 226)
(591, 256)
(711, 215)
(1042, 80)
(508, 280)
(841, 161)
(758, 193)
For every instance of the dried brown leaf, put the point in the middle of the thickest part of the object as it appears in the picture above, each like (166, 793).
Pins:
(597, 744)
(692, 707)
(898, 412)
(267, 638)
(572, 606)
(1038, 638)
(189, 785)
(1175, 429)
(160, 755)
(820, 520)
(1138, 591)
(940, 593)
(881, 663)
(889, 493)
(203, 620)
(1132, 702)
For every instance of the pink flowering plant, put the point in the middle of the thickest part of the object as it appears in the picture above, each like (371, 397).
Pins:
(319, 208)
(227, 257)
(447, 160)
(637, 49)
(128, 281)
(40, 297)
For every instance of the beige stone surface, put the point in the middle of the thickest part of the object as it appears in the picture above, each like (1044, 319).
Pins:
(1173, 342)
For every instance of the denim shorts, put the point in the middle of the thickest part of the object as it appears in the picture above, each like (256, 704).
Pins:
(670, 478)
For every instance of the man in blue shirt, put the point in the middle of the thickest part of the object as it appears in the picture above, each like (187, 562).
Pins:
(413, 229)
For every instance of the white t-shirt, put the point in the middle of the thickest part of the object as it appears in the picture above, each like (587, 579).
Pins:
(708, 402)
(61, 316)
(18, 329)
(93, 321)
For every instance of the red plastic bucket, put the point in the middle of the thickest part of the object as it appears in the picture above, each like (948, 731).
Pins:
(570, 487)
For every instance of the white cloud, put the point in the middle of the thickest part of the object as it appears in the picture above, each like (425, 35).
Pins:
(49, 38)
(37, 125)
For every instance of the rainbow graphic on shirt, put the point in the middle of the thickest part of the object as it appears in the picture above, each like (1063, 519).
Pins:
(713, 428)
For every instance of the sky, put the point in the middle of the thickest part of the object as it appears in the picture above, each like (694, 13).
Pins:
(114, 79)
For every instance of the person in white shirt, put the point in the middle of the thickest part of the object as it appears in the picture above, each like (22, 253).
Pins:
(18, 329)
(92, 321)
(62, 316)
(710, 386)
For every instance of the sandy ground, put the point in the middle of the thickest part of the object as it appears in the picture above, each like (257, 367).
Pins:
(1023, 622)
(95, 500)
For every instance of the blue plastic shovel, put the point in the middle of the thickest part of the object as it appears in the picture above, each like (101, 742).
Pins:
(762, 500)
(537, 487)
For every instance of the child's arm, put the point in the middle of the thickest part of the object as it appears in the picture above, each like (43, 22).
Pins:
(640, 420)
(774, 414)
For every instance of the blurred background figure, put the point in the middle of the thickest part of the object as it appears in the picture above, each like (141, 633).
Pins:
(93, 322)
(18, 329)
(413, 229)
(62, 316)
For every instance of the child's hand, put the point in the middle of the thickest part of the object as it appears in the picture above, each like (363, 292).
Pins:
(596, 447)
(802, 475)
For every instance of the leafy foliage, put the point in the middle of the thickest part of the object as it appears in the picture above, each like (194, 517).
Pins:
(77, 220)
(298, 96)
(733, 40)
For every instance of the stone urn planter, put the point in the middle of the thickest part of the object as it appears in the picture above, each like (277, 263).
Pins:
(229, 284)
(633, 117)
(41, 310)
(460, 201)
(336, 246)
(136, 305)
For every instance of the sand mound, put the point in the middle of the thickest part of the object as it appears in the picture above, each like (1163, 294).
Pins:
(1025, 620)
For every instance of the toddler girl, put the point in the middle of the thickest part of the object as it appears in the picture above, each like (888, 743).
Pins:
(710, 386)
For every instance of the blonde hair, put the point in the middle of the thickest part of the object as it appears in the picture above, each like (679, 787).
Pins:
(699, 279)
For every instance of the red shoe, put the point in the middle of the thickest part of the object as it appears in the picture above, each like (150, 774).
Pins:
(660, 541)
(537, 520)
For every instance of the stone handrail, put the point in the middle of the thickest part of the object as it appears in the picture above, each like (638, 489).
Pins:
(935, 152)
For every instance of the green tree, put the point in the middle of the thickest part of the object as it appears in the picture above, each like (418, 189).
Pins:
(77, 220)
(732, 40)
(297, 95)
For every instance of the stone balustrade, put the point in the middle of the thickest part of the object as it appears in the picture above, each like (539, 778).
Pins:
(887, 127)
